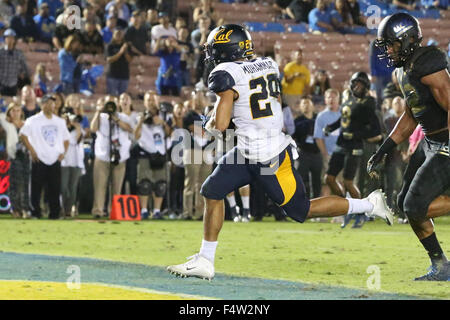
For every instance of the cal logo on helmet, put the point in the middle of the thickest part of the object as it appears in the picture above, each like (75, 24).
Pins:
(220, 37)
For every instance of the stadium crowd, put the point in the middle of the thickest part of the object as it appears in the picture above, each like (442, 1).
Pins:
(67, 160)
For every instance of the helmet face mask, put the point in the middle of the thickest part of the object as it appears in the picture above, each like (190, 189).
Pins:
(228, 43)
(399, 35)
(359, 84)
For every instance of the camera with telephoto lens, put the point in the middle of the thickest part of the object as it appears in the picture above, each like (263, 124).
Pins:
(71, 117)
(148, 117)
(109, 107)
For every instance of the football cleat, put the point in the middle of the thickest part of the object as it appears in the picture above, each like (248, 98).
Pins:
(197, 266)
(438, 271)
(380, 207)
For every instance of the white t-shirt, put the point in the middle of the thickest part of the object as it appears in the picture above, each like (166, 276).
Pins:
(75, 153)
(159, 31)
(46, 136)
(257, 113)
(102, 143)
(153, 139)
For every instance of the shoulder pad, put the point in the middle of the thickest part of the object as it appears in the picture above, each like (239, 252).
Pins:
(429, 60)
(220, 81)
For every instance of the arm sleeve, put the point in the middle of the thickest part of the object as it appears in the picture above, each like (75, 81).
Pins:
(220, 81)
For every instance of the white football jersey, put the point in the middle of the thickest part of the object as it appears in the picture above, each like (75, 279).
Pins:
(257, 113)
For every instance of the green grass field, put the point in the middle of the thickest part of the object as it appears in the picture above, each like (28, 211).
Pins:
(318, 253)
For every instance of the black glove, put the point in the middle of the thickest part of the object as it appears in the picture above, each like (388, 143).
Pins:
(376, 161)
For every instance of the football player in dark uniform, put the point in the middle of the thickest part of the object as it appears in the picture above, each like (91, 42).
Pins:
(358, 122)
(425, 82)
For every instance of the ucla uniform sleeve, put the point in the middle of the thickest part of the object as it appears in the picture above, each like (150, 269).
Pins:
(429, 62)
(220, 81)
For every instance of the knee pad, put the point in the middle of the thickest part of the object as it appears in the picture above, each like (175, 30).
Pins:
(415, 207)
(144, 187)
(160, 188)
(298, 207)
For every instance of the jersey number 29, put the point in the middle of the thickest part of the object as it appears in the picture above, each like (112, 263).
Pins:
(274, 91)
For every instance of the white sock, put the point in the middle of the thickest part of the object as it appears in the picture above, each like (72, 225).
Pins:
(144, 210)
(231, 201)
(245, 202)
(208, 250)
(359, 206)
(155, 211)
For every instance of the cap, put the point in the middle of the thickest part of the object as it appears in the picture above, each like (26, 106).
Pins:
(9, 33)
(163, 14)
(47, 97)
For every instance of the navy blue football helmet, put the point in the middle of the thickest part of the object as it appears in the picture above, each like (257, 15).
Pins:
(362, 77)
(399, 27)
(228, 43)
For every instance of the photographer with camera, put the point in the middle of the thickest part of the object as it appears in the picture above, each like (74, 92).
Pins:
(46, 137)
(112, 149)
(151, 133)
(72, 165)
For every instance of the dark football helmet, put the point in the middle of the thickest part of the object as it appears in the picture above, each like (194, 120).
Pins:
(399, 27)
(227, 43)
(364, 79)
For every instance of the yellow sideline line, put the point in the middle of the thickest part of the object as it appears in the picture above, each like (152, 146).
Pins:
(129, 288)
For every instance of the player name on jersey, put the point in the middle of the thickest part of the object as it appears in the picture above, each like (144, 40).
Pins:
(257, 67)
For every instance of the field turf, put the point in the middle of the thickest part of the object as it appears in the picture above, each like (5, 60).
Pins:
(311, 253)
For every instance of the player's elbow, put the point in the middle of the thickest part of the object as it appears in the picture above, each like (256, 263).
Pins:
(222, 125)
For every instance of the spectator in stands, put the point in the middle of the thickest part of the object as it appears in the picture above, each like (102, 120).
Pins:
(72, 166)
(23, 24)
(152, 19)
(198, 39)
(118, 59)
(395, 165)
(136, 36)
(196, 167)
(205, 8)
(123, 24)
(146, 4)
(69, 67)
(112, 129)
(404, 4)
(45, 23)
(125, 106)
(47, 140)
(357, 17)
(186, 58)
(124, 12)
(342, 21)
(163, 29)
(320, 84)
(296, 79)
(434, 4)
(107, 31)
(319, 18)
(177, 168)
(29, 104)
(13, 66)
(281, 6)
(59, 103)
(19, 173)
(299, 10)
(40, 80)
(309, 157)
(89, 15)
(62, 32)
(91, 39)
(329, 115)
(168, 81)
(53, 5)
(7, 11)
(151, 132)
(380, 73)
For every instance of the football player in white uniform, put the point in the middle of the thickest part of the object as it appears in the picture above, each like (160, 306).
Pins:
(248, 91)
